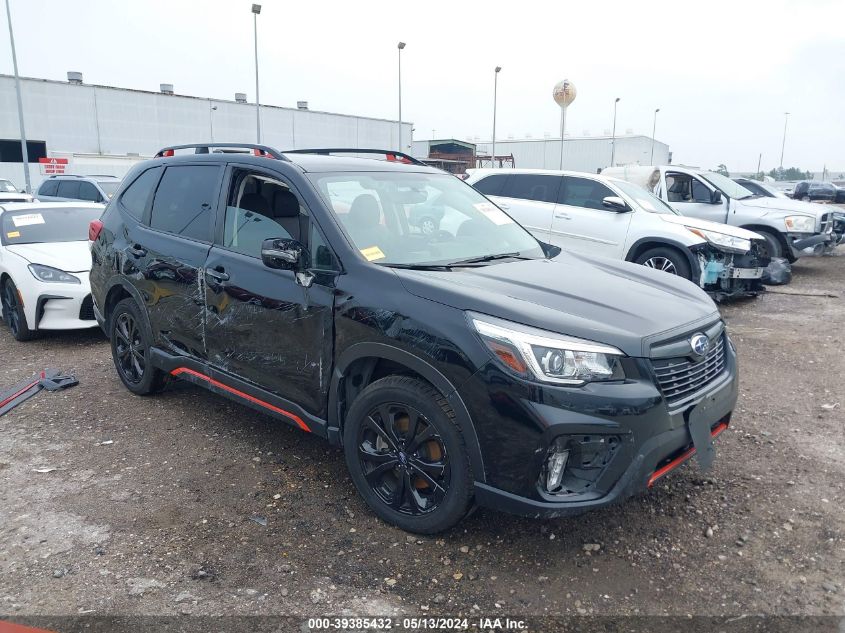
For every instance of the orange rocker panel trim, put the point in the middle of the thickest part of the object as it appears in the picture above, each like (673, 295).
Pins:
(216, 383)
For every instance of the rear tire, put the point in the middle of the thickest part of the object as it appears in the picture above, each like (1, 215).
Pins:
(13, 313)
(131, 342)
(406, 455)
(667, 260)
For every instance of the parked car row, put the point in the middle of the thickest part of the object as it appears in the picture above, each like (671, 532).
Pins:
(525, 351)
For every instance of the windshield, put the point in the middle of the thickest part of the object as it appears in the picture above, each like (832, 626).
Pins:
(728, 187)
(109, 186)
(7, 186)
(645, 199)
(37, 225)
(420, 219)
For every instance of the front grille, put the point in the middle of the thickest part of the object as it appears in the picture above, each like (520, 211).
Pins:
(681, 377)
(86, 312)
(827, 223)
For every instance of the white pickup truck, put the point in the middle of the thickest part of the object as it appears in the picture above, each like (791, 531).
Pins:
(791, 228)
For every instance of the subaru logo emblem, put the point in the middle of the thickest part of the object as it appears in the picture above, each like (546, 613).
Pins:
(699, 344)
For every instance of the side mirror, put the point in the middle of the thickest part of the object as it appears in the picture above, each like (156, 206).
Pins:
(282, 254)
(550, 250)
(615, 203)
(715, 197)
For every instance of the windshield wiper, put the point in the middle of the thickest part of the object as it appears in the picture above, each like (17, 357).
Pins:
(418, 266)
(486, 258)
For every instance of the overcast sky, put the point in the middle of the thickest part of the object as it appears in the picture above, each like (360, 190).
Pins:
(722, 73)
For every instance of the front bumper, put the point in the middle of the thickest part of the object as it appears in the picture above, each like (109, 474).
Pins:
(726, 275)
(812, 244)
(50, 306)
(650, 437)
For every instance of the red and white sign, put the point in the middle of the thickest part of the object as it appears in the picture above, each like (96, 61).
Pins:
(53, 165)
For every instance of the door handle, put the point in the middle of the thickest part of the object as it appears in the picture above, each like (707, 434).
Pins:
(217, 275)
(502, 205)
(137, 251)
(563, 216)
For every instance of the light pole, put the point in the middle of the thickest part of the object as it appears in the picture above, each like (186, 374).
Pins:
(613, 137)
(24, 152)
(782, 147)
(653, 131)
(495, 88)
(256, 9)
(400, 46)
(211, 109)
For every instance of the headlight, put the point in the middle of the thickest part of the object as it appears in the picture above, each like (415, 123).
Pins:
(800, 223)
(728, 242)
(52, 275)
(546, 356)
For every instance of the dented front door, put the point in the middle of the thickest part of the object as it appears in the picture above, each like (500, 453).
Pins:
(263, 327)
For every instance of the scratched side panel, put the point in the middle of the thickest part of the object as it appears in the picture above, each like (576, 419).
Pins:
(265, 328)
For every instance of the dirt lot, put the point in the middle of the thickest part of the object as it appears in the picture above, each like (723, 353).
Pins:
(187, 503)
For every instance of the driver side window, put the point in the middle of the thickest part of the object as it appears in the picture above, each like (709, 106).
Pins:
(700, 193)
(258, 208)
(678, 188)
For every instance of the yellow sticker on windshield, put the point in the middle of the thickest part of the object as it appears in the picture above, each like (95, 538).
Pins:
(12, 234)
(372, 253)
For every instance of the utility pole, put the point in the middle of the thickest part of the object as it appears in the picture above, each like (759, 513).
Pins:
(24, 152)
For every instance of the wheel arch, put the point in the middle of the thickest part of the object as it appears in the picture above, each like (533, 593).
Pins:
(770, 230)
(643, 244)
(120, 289)
(365, 362)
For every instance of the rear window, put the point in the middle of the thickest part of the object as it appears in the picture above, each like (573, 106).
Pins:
(491, 185)
(137, 195)
(39, 224)
(185, 200)
(537, 187)
(48, 188)
(68, 189)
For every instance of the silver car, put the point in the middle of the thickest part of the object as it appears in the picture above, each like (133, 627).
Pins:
(89, 188)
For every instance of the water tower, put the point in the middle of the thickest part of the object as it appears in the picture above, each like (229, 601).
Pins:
(564, 94)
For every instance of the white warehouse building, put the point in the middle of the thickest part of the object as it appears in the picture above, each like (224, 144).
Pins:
(105, 130)
(580, 153)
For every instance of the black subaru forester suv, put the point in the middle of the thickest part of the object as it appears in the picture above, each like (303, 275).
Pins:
(455, 367)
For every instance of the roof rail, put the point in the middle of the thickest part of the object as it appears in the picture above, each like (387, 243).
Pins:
(392, 155)
(205, 148)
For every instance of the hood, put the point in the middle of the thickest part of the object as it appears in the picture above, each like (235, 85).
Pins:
(602, 300)
(71, 257)
(707, 225)
(786, 206)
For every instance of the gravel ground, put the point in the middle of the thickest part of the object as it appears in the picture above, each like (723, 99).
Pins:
(185, 503)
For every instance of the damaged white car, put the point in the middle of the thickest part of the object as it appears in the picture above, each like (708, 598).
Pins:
(596, 215)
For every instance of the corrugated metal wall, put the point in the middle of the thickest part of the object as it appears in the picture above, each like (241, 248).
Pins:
(581, 153)
(83, 119)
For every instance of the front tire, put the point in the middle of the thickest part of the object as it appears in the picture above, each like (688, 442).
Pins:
(406, 455)
(667, 260)
(773, 246)
(131, 342)
(13, 313)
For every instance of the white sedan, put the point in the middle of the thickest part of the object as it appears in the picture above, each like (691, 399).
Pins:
(44, 264)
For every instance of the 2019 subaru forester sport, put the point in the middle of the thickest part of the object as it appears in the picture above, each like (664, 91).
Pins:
(455, 367)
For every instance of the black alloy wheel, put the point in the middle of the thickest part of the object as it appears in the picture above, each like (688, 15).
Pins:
(407, 456)
(129, 348)
(403, 458)
(13, 312)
